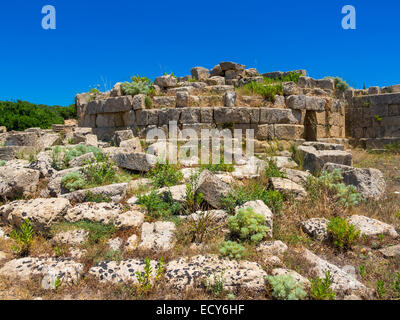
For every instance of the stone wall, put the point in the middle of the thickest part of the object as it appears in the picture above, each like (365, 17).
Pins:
(373, 119)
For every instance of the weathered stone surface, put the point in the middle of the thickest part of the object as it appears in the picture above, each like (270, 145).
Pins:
(64, 269)
(297, 176)
(253, 168)
(296, 102)
(212, 188)
(121, 272)
(139, 102)
(290, 88)
(73, 237)
(114, 244)
(279, 116)
(182, 99)
(43, 165)
(166, 81)
(118, 104)
(122, 135)
(316, 228)
(48, 140)
(83, 159)
(132, 218)
(216, 81)
(372, 227)
(324, 145)
(43, 213)
(132, 242)
(272, 248)
(391, 252)
(200, 73)
(369, 182)
(225, 66)
(261, 208)
(288, 187)
(187, 272)
(22, 139)
(96, 212)
(158, 236)
(288, 131)
(136, 161)
(164, 101)
(283, 162)
(314, 160)
(216, 71)
(178, 193)
(113, 191)
(341, 281)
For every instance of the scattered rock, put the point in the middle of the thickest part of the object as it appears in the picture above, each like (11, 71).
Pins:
(283, 162)
(272, 248)
(297, 176)
(372, 227)
(114, 192)
(316, 228)
(114, 244)
(73, 237)
(43, 213)
(16, 183)
(212, 188)
(96, 212)
(288, 187)
(391, 252)
(132, 242)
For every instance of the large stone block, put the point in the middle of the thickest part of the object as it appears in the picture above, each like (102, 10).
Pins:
(231, 115)
(166, 81)
(95, 106)
(190, 115)
(200, 73)
(279, 116)
(297, 102)
(21, 139)
(164, 101)
(288, 131)
(118, 104)
(315, 103)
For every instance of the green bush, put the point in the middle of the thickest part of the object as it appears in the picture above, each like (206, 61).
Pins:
(232, 249)
(23, 238)
(100, 173)
(61, 156)
(139, 85)
(267, 91)
(340, 84)
(22, 115)
(343, 234)
(284, 287)
(272, 170)
(165, 175)
(247, 225)
(73, 181)
(347, 196)
(160, 205)
(2, 163)
(220, 167)
(321, 288)
(242, 194)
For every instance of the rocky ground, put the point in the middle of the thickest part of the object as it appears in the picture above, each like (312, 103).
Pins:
(109, 225)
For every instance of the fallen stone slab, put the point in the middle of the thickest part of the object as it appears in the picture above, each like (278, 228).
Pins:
(72, 237)
(297, 176)
(272, 248)
(391, 252)
(17, 182)
(64, 269)
(113, 191)
(135, 161)
(369, 182)
(42, 213)
(212, 188)
(188, 272)
(288, 187)
(372, 227)
(283, 162)
(97, 212)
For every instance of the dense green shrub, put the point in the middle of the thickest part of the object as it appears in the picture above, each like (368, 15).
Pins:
(340, 84)
(73, 181)
(139, 85)
(284, 287)
(255, 191)
(267, 91)
(160, 205)
(2, 163)
(343, 233)
(321, 288)
(165, 175)
(221, 166)
(248, 225)
(61, 156)
(22, 115)
(347, 196)
(232, 249)
(23, 238)
(272, 170)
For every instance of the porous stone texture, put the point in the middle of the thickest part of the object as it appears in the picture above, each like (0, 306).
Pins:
(283, 162)
(212, 188)
(17, 182)
(391, 252)
(158, 236)
(297, 176)
(253, 168)
(341, 281)
(73, 237)
(186, 272)
(66, 270)
(132, 242)
(43, 213)
(43, 165)
(261, 208)
(288, 187)
(272, 248)
(369, 182)
(114, 244)
(96, 212)
(372, 227)
(113, 191)
(316, 228)
(134, 160)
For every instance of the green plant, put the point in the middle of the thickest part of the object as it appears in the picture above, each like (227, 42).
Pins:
(267, 91)
(272, 170)
(396, 284)
(61, 156)
(160, 205)
(100, 173)
(254, 191)
(57, 283)
(2, 163)
(147, 102)
(193, 199)
(247, 225)
(284, 287)
(216, 286)
(23, 238)
(321, 288)
(139, 85)
(331, 182)
(144, 277)
(378, 117)
(73, 181)
(340, 84)
(362, 271)
(98, 198)
(232, 249)
(165, 175)
(380, 289)
(343, 234)
(221, 166)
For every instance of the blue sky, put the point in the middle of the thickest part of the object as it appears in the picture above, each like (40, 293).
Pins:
(109, 41)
